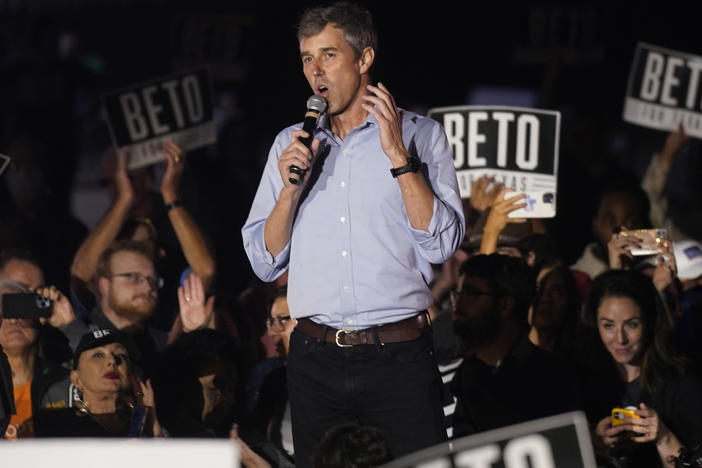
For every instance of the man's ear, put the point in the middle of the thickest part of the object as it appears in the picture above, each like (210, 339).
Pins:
(366, 60)
(103, 285)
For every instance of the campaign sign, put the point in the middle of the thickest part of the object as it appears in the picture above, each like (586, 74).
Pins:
(516, 145)
(664, 90)
(119, 453)
(4, 161)
(553, 442)
(176, 107)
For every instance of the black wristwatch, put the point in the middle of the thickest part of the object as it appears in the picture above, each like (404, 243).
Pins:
(412, 165)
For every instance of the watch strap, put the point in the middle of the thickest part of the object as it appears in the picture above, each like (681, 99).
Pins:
(411, 166)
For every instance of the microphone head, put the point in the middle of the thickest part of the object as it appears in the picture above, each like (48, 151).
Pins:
(317, 104)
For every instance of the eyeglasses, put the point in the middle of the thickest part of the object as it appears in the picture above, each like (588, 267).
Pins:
(469, 293)
(135, 278)
(278, 322)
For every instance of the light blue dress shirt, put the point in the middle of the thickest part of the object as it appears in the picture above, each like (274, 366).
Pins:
(354, 260)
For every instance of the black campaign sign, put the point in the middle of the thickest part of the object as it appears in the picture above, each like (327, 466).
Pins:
(176, 107)
(519, 146)
(665, 90)
(554, 442)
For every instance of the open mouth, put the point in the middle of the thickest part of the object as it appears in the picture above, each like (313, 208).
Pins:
(322, 90)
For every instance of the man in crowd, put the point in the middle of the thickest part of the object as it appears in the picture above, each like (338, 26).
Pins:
(21, 266)
(128, 295)
(377, 205)
(503, 379)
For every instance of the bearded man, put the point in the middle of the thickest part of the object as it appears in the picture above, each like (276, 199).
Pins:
(128, 285)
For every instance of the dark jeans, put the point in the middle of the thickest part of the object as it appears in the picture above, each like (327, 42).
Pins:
(395, 387)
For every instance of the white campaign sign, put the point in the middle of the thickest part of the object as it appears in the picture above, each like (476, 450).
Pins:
(114, 453)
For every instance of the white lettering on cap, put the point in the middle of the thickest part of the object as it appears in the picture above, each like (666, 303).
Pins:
(100, 333)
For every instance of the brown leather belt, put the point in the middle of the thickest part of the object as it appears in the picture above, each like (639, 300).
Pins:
(404, 330)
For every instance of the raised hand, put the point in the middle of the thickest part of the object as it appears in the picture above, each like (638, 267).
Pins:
(480, 198)
(619, 245)
(61, 308)
(175, 163)
(382, 105)
(196, 311)
(125, 190)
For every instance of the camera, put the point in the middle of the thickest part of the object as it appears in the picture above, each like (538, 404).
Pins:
(25, 306)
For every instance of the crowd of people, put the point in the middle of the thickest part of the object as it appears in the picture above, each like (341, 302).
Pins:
(454, 318)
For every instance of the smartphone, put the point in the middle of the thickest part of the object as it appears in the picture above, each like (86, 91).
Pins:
(618, 415)
(539, 205)
(652, 240)
(25, 306)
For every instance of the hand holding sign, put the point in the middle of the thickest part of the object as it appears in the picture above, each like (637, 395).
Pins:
(483, 192)
(498, 218)
(175, 162)
(674, 143)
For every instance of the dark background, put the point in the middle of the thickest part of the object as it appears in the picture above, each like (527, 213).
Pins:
(58, 57)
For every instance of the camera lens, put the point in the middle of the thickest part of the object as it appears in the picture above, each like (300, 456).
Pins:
(548, 197)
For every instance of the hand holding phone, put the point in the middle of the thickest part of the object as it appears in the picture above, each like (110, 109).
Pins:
(651, 241)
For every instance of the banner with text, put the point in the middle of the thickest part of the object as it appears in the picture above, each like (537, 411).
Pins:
(176, 107)
(552, 442)
(664, 90)
(516, 145)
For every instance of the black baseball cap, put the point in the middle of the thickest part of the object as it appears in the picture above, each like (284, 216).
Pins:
(96, 338)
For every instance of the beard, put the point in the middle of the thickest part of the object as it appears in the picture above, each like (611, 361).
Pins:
(479, 331)
(135, 313)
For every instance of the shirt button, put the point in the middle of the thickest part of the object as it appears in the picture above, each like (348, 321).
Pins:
(349, 321)
(343, 184)
(346, 288)
(345, 151)
(342, 219)
(344, 253)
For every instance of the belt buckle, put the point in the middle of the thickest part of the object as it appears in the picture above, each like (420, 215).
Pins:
(338, 335)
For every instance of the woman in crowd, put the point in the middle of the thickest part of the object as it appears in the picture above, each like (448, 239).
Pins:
(37, 382)
(110, 400)
(632, 322)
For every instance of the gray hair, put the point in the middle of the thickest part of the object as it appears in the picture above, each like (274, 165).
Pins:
(354, 20)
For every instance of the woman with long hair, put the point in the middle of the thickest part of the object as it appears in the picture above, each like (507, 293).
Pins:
(653, 377)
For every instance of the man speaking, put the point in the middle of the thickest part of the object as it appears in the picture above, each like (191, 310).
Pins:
(377, 203)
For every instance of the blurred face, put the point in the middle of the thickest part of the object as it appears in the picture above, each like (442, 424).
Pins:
(23, 272)
(218, 393)
(551, 302)
(332, 68)
(616, 210)
(621, 329)
(17, 336)
(281, 325)
(104, 369)
(131, 292)
(476, 317)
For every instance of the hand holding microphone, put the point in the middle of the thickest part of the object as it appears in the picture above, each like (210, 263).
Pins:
(316, 105)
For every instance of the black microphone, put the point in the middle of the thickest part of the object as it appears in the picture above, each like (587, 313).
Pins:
(316, 105)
